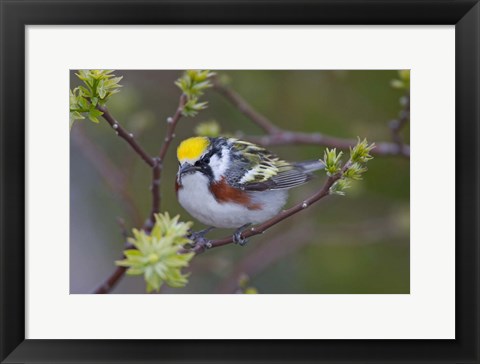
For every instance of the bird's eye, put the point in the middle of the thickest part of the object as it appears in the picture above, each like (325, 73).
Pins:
(206, 160)
(197, 163)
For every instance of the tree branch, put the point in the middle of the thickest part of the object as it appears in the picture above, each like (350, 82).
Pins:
(128, 137)
(155, 188)
(111, 281)
(172, 123)
(157, 168)
(277, 136)
(156, 163)
(291, 137)
(245, 108)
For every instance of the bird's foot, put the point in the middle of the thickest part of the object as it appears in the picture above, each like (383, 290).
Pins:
(198, 237)
(237, 235)
(194, 235)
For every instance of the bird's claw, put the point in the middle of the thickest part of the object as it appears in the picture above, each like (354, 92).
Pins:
(199, 235)
(200, 242)
(238, 239)
(237, 235)
(198, 238)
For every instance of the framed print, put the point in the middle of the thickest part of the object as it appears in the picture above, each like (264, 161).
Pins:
(239, 181)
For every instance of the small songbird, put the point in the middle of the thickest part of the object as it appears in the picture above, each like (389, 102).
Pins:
(230, 183)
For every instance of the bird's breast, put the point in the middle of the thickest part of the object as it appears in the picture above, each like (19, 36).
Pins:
(223, 192)
(225, 207)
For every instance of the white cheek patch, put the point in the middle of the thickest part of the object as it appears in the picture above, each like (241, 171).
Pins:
(219, 165)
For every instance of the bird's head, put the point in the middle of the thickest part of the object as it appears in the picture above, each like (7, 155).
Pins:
(208, 156)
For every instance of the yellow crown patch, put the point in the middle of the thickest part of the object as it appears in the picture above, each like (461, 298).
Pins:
(192, 148)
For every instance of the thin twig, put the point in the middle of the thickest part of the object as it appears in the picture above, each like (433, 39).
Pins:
(172, 123)
(278, 136)
(124, 134)
(118, 273)
(155, 188)
(245, 108)
(291, 137)
(158, 167)
(111, 281)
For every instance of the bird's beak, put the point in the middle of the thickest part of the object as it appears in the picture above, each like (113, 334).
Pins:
(186, 168)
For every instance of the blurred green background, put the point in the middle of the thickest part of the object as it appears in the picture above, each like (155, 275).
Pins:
(358, 243)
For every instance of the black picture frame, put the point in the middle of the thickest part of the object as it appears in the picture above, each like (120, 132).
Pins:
(15, 15)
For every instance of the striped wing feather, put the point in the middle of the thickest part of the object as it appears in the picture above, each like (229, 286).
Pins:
(284, 179)
(263, 170)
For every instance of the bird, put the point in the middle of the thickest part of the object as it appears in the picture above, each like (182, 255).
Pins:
(225, 182)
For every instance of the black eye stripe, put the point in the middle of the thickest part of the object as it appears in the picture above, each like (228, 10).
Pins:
(204, 161)
(206, 157)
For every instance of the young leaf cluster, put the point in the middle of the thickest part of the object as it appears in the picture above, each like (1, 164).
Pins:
(98, 86)
(360, 153)
(157, 255)
(353, 169)
(340, 186)
(193, 83)
(332, 161)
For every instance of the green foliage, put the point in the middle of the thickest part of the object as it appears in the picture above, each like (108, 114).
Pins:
(332, 161)
(84, 100)
(340, 186)
(353, 169)
(192, 107)
(157, 255)
(360, 153)
(354, 172)
(208, 129)
(403, 81)
(193, 83)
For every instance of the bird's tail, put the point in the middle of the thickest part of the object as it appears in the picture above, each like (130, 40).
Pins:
(310, 166)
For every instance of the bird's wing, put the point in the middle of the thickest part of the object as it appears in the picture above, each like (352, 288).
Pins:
(283, 180)
(257, 169)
